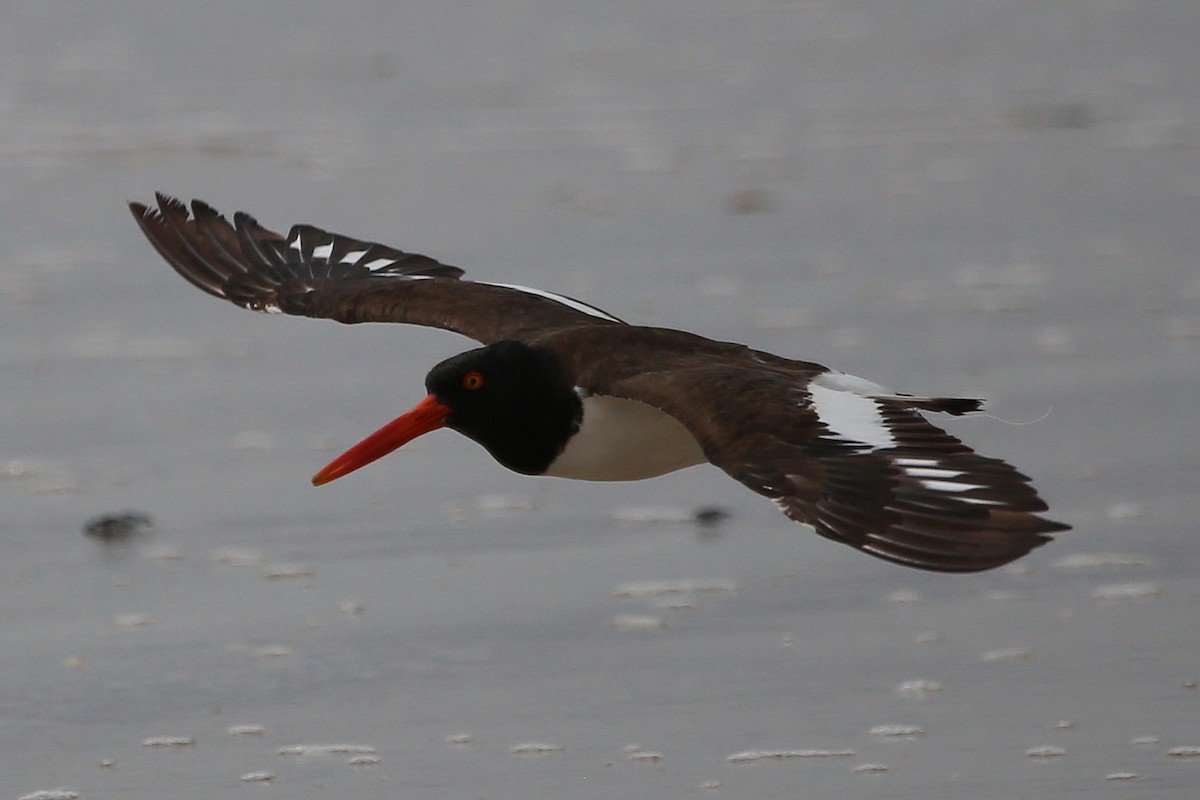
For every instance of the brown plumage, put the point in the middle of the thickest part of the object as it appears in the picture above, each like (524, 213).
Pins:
(859, 463)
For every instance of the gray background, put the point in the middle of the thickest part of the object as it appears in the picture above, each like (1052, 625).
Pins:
(982, 198)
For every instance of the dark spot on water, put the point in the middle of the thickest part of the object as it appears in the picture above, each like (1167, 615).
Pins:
(710, 515)
(118, 527)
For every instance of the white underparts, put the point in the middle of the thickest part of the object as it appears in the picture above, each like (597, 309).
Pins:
(625, 440)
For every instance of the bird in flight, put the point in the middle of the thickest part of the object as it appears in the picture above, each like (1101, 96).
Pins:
(562, 388)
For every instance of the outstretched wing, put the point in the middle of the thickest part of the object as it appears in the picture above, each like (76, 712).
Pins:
(858, 463)
(315, 273)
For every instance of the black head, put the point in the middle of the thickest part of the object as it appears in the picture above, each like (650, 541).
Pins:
(511, 398)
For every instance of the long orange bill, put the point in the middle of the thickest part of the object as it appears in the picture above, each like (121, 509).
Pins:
(427, 415)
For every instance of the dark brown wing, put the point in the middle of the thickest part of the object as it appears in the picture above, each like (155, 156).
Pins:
(889, 483)
(315, 273)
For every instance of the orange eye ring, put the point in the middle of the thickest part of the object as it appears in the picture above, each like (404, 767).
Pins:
(472, 381)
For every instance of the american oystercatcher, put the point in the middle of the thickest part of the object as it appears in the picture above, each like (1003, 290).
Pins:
(562, 388)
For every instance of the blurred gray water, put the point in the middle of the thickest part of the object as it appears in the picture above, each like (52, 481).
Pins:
(992, 199)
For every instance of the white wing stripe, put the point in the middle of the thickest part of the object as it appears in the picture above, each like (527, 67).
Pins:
(932, 472)
(908, 461)
(949, 486)
(566, 301)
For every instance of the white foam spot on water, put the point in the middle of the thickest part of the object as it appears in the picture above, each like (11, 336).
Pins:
(258, 777)
(325, 749)
(1184, 751)
(897, 731)
(752, 756)
(1126, 591)
(169, 741)
(273, 572)
(272, 651)
(636, 622)
(535, 749)
(918, 688)
(679, 586)
(61, 793)
(1045, 751)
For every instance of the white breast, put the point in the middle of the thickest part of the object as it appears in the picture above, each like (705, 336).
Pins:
(624, 440)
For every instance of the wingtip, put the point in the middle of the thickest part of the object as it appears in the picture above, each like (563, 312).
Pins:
(1054, 526)
(164, 203)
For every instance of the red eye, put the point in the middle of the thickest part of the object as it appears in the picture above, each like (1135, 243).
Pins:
(472, 381)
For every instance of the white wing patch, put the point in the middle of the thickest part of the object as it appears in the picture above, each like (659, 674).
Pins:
(848, 413)
(909, 461)
(928, 472)
(381, 266)
(558, 298)
(841, 382)
(849, 407)
(353, 258)
(949, 486)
